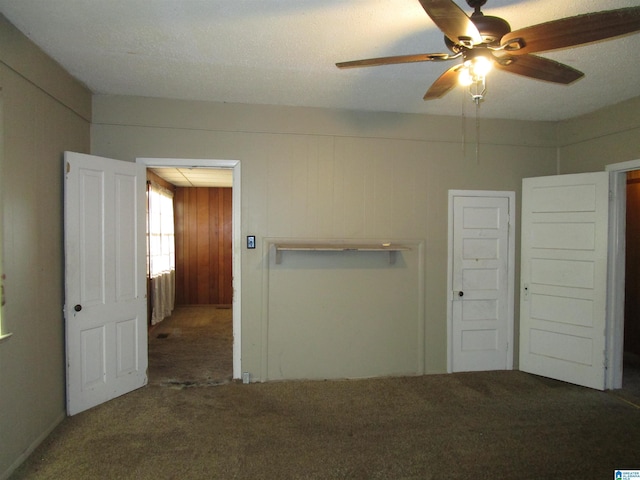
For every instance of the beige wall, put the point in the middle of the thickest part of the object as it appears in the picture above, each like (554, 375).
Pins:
(335, 175)
(44, 113)
(610, 135)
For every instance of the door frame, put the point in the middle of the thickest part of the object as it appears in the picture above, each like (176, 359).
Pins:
(510, 294)
(616, 270)
(236, 245)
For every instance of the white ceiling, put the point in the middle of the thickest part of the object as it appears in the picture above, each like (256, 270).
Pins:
(195, 176)
(283, 52)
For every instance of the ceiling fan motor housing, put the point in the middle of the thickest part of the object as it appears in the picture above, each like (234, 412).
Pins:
(491, 30)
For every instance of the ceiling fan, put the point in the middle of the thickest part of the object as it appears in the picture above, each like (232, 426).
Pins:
(483, 41)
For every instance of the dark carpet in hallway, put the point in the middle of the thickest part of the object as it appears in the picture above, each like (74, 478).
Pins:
(192, 347)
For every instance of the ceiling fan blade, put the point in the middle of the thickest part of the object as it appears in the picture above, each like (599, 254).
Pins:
(372, 62)
(453, 22)
(571, 31)
(539, 68)
(443, 84)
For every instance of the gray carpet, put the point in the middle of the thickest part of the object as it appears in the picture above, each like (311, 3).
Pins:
(192, 422)
(493, 425)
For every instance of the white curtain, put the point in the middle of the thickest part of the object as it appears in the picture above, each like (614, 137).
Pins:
(161, 252)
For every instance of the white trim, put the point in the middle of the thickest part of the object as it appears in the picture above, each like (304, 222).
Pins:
(452, 194)
(237, 238)
(623, 166)
(616, 270)
(3, 324)
(511, 196)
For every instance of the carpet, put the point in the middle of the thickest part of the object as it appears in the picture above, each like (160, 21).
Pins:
(193, 422)
(192, 347)
(489, 425)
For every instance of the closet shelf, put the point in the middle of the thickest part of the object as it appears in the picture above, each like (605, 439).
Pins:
(392, 249)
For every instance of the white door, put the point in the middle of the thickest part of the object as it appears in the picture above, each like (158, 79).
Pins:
(564, 277)
(105, 287)
(481, 281)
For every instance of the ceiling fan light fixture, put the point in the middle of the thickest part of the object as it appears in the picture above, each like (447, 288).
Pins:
(481, 66)
(464, 76)
(473, 73)
(477, 90)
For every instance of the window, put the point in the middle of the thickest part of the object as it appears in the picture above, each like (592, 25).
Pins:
(161, 252)
(161, 236)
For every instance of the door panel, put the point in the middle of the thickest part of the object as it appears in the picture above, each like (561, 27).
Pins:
(564, 277)
(105, 289)
(126, 286)
(480, 308)
(90, 237)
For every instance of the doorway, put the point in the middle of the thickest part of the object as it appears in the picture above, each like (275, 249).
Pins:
(619, 242)
(631, 339)
(222, 313)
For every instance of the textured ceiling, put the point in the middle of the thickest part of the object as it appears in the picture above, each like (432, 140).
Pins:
(283, 52)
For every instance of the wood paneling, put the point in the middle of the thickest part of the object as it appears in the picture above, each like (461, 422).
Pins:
(203, 246)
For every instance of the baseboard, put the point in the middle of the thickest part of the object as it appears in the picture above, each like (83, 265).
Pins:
(24, 455)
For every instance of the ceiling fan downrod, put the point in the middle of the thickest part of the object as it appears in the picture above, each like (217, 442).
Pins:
(476, 5)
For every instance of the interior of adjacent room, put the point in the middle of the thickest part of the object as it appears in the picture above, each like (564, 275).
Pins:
(191, 342)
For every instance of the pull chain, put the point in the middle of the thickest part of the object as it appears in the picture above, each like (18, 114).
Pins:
(477, 133)
(464, 130)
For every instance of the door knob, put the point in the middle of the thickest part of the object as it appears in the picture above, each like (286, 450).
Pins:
(77, 308)
(461, 294)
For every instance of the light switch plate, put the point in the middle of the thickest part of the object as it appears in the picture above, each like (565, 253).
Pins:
(251, 241)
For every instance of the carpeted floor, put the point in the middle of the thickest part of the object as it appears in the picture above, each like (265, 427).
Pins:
(192, 347)
(489, 425)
